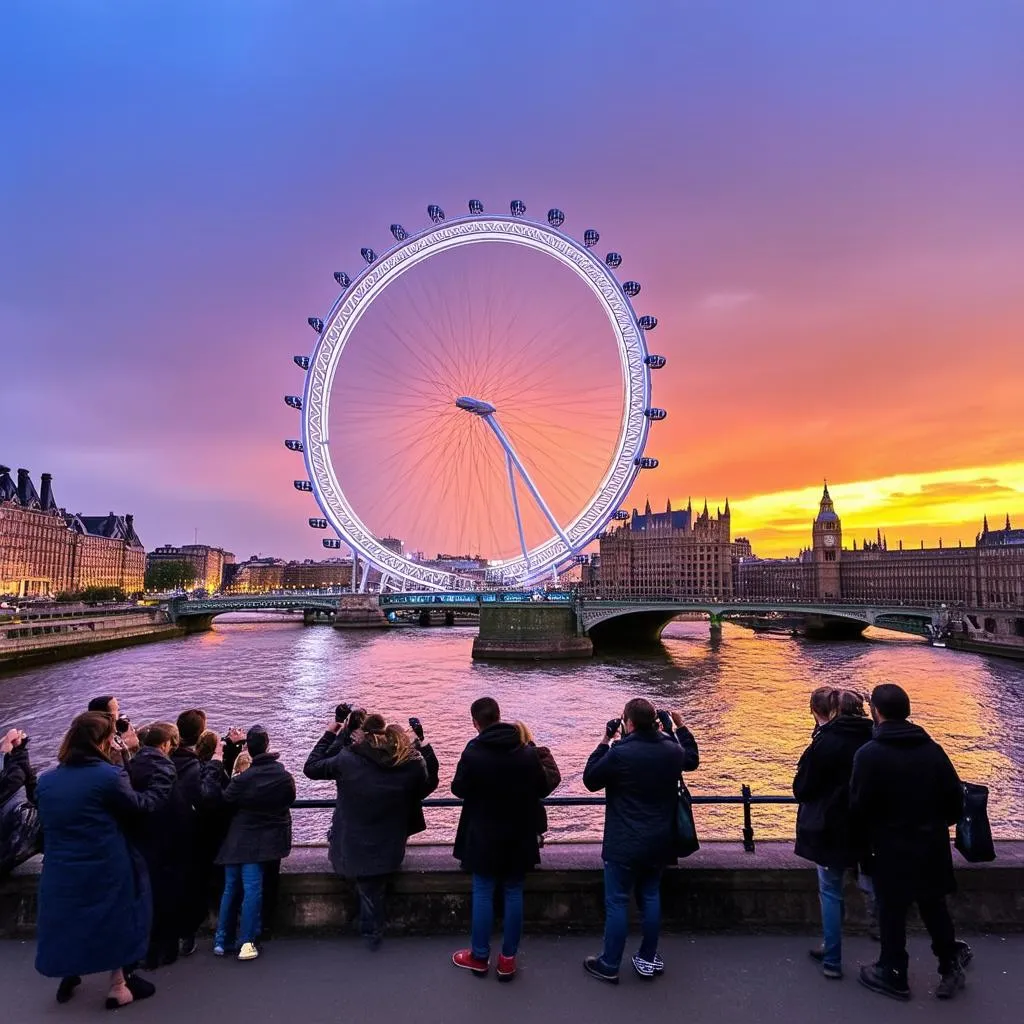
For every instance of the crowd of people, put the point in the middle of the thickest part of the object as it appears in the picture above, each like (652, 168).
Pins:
(146, 831)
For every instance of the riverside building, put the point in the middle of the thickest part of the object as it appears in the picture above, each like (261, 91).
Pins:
(45, 550)
(208, 563)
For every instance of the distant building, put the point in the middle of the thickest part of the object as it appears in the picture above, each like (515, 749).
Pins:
(262, 575)
(668, 554)
(45, 550)
(988, 575)
(207, 562)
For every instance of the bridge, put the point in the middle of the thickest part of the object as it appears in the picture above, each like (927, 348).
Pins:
(617, 621)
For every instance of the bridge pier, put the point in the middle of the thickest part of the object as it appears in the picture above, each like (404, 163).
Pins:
(530, 632)
(359, 611)
(716, 628)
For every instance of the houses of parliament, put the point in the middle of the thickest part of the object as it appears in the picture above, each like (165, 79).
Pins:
(675, 554)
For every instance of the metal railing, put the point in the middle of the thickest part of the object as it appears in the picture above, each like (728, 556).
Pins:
(745, 798)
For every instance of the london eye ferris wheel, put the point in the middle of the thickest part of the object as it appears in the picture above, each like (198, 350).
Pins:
(482, 387)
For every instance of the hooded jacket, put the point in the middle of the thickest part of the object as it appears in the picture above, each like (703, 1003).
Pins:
(904, 795)
(501, 783)
(261, 824)
(378, 804)
(822, 785)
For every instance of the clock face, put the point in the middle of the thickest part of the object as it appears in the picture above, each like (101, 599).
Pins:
(830, 540)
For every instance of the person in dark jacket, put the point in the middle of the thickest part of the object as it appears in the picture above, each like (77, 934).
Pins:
(198, 862)
(158, 837)
(822, 787)
(551, 773)
(94, 900)
(260, 832)
(15, 769)
(382, 778)
(500, 782)
(904, 795)
(640, 775)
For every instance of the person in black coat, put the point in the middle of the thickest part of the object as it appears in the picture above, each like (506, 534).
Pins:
(904, 795)
(162, 838)
(260, 832)
(640, 775)
(382, 778)
(194, 909)
(500, 781)
(822, 786)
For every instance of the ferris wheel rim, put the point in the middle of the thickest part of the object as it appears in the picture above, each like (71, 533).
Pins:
(359, 296)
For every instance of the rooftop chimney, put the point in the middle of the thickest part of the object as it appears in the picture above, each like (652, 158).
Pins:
(23, 486)
(46, 501)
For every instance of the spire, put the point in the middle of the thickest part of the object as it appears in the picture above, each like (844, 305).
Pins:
(825, 495)
(854, 543)
(1007, 522)
(647, 507)
(718, 511)
(689, 505)
(727, 512)
(984, 525)
(668, 505)
(878, 536)
(704, 514)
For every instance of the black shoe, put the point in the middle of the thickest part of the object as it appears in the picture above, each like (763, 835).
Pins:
(817, 954)
(186, 947)
(67, 986)
(950, 983)
(139, 988)
(593, 966)
(964, 953)
(888, 983)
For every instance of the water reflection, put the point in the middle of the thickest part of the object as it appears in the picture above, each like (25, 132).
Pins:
(744, 698)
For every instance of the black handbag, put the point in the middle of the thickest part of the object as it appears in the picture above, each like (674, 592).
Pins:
(685, 831)
(21, 833)
(973, 832)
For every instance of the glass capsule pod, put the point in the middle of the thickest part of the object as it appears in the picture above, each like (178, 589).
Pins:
(293, 401)
(318, 524)
(331, 542)
(342, 278)
(621, 515)
(316, 323)
(302, 362)
(294, 446)
(555, 217)
(518, 208)
(655, 362)
(591, 238)
(399, 232)
(632, 288)
(368, 254)
(302, 485)
(655, 413)
(613, 260)
(647, 323)
(646, 462)
(435, 213)
(476, 207)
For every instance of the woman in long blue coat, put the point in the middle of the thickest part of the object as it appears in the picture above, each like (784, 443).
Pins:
(95, 907)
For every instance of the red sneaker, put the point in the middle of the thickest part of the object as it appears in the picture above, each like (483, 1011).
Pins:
(465, 958)
(506, 970)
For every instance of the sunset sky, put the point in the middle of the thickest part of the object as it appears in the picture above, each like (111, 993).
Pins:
(824, 203)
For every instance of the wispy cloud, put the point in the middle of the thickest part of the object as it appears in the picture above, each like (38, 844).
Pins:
(726, 300)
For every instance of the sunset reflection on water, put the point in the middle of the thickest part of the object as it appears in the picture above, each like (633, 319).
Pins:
(745, 700)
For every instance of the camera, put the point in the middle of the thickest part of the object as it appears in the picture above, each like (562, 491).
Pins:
(417, 727)
(122, 725)
(356, 719)
(612, 727)
(666, 722)
(341, 712)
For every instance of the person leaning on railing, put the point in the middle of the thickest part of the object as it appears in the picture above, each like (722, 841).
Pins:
(640, 775)
(382, 775)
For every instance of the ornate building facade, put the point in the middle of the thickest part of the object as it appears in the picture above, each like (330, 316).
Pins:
(262, 575)
(988, 575)
(670, 554)
(45, 550)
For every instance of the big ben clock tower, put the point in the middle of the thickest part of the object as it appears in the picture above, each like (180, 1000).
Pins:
(828, 542)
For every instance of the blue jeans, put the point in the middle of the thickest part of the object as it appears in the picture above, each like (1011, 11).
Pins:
(245, 882)
(619, 882)
(483, 915)
(830, 895)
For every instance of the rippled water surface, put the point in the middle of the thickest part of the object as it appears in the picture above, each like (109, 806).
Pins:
(745, 700)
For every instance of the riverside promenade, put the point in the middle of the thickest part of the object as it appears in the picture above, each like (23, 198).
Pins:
(741, 979)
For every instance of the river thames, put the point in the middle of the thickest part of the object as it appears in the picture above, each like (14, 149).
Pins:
(745, 700)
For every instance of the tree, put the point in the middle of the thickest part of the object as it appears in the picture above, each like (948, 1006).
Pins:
(170, 575)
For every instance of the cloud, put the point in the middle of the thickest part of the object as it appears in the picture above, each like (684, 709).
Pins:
(723, 301)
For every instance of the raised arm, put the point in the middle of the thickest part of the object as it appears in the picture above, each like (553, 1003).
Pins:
(125, 802)
(599, 767)
(324, 761)
(691, 755)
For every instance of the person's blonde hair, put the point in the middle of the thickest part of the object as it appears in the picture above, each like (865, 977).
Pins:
(392, 738)
(525, 736)
(206, 745)
(242, 762)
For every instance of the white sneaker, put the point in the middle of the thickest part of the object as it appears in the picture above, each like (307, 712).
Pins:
(218, 950)
(248, 951)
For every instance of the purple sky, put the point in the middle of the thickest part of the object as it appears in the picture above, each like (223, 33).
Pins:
(824, 201)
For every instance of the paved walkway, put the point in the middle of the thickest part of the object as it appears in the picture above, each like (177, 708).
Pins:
(724, 979)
